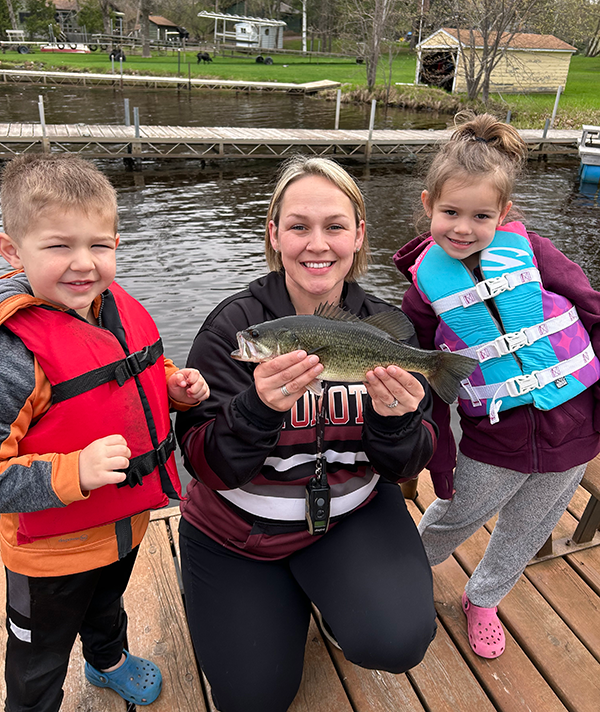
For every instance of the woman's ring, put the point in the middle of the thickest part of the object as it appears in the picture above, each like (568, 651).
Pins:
(286, 393)
(393, 404)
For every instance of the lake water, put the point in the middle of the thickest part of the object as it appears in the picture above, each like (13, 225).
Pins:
(191, 237)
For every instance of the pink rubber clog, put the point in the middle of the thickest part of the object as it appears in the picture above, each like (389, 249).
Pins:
(486, 635)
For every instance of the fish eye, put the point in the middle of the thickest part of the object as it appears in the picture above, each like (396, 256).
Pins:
(254, 333)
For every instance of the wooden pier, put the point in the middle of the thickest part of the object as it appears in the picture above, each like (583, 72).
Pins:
(218, 143)
(29, 76)
(551, 662)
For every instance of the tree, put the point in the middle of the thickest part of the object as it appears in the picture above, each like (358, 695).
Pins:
(40, 14)
(145, 10)
(486, 29)
(7, 16)
(371, 22)
(90, 16)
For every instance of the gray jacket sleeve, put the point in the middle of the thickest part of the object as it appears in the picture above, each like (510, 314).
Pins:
(23, 488)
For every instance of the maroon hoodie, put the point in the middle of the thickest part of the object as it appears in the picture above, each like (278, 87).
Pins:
(525, 439)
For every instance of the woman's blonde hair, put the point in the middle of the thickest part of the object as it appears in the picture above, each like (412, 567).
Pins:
(300, 167)
(480, 147)
(32, 183)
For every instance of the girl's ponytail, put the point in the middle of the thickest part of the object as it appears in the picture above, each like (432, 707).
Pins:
(481, 148)
(488, 130)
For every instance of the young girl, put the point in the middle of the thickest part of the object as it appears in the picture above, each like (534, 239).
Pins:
(529, 412)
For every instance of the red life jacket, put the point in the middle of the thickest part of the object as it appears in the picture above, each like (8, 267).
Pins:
(99, 389)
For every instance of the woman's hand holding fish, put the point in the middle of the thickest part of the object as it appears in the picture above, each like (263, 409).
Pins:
(392, 384)
(294, 371)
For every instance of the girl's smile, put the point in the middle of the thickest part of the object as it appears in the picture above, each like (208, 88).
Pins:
(465, 217)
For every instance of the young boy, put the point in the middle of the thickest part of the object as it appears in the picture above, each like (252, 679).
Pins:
(86, 447)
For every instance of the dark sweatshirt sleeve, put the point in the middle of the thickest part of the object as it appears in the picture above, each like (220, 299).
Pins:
(565, 277)
(226, 439)
(442, 463)
(399, 447)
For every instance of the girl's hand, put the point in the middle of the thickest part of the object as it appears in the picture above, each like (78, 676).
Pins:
(294, 371)
(188, 386)
(392, 384)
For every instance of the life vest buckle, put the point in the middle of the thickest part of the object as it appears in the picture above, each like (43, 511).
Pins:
(508, 343)
(492, 287)
(520, 385)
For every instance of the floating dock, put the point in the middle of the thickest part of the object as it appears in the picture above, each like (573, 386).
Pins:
(218, 143)
(26, 76)
(551, 662)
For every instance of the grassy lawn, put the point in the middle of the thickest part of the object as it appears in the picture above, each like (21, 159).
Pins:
(579, 104)
(285, 68)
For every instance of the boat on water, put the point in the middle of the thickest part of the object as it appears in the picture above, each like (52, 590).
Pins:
(589, 154)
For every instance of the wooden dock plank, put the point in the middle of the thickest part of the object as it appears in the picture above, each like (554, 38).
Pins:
(375, 690)
(571, 670)
(512, 682)
(561, 585)
(157, 627)
(587, 565)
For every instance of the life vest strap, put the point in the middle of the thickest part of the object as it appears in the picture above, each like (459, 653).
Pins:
(143, 465)
(119, 371)
(521, 385)
(486, 289)
(509, 343)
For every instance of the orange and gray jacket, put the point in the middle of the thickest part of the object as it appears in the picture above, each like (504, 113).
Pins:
(65, 383)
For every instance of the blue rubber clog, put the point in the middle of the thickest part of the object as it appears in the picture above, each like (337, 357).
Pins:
(136, 680)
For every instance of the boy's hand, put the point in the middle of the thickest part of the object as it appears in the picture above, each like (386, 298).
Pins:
(188, 386)
(100, 461)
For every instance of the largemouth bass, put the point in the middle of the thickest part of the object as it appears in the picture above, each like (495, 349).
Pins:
(348, 347)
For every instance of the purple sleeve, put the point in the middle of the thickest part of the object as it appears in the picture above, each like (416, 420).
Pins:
(565, 277)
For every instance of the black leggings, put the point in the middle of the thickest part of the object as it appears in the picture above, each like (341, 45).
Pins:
(44, 616)
(368, 576)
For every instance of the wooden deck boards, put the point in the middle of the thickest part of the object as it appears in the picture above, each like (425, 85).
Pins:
(551, 618)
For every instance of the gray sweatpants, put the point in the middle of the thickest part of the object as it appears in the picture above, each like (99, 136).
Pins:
(528, 507)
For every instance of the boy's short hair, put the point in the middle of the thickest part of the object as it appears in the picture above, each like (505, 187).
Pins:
(33, 182)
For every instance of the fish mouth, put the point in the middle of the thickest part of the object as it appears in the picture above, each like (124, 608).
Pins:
(249, 350)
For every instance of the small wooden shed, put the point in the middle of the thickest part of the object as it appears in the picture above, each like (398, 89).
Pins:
(531, 63)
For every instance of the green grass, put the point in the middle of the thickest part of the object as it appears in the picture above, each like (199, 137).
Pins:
(579, 104)
(285, 67)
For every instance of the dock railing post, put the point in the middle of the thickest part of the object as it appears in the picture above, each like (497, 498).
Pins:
(508, 116)
(371, 124)
(558, 93)
(189, 76)
(45, 140)
(136, 121)
(112, 64)
(338, 102)
(136, 148)
(127, 116)
(546, 127)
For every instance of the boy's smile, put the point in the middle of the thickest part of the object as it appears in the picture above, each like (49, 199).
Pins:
(465, 217)
(68, 257)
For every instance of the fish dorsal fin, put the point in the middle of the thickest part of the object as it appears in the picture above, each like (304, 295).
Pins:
(394, 323)
(334, 312)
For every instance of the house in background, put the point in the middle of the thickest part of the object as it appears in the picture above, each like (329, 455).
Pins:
(162, 29)
(244, 31)
(532, 63)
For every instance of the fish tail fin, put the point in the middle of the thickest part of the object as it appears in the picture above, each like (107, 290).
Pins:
(450, 370)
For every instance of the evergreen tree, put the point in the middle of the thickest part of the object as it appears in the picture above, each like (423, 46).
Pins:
(40, 14)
